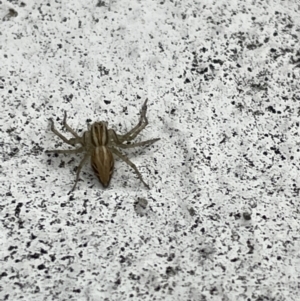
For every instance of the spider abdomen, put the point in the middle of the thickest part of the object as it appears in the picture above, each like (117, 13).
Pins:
(102, 162)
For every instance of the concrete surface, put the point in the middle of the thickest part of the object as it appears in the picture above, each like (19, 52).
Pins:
(221, 219)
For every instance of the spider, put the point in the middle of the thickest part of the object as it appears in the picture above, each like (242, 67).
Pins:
(100, 143)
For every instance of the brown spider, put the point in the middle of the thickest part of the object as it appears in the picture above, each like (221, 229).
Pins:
(99, 143)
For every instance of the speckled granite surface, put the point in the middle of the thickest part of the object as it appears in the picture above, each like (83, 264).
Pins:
(221, 220)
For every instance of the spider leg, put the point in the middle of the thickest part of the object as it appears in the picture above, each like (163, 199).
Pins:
(138, 128)
(66, 151)
(147, 142)
(72, 141)
(126, 160)
(69, 128)
(78, 171)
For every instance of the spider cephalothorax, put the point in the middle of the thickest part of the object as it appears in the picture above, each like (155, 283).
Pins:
(99, 143)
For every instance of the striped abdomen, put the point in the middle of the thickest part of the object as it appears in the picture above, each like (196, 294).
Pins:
(102, 159)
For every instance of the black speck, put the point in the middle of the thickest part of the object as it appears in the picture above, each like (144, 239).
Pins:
(247, 216)
(213, 291)
(237, 216)
(103, 70)
(62, 164)
(18, 209)
(171, 257)
(68, 98)
(192, 211)
(32, 236)
(250, 246)
(271, 109)
(71, 198)
(161, 47)
(4, 274)
(34, 256)
(41, 267)
(203, 70)
(122, 259)
(10, 248)
(220, 62)
(170, 271)
(100, 3)
(11, 14)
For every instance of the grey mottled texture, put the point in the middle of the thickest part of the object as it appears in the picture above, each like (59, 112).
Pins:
(222, 218)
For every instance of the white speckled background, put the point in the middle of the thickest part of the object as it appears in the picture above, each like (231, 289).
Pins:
(223, 214)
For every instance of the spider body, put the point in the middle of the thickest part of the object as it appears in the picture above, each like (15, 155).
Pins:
(99, 143)
(102, 159)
